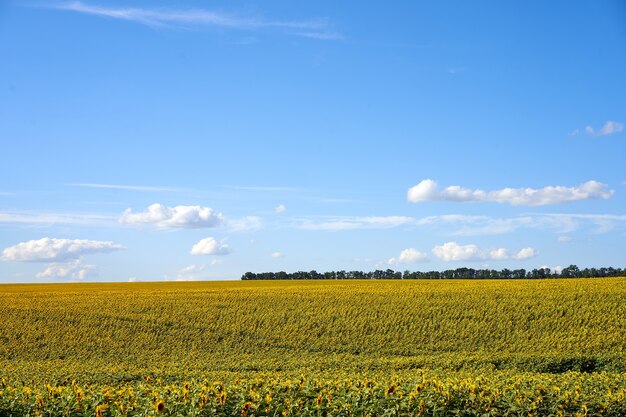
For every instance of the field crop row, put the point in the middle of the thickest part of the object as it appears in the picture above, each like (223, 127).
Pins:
(531, 342)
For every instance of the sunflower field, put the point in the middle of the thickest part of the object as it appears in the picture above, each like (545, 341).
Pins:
(315, 348)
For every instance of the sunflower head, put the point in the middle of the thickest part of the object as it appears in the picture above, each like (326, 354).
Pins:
(159, 406)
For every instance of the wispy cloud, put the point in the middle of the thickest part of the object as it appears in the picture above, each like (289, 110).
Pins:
(465, 225)
(427, 190)
(324, 36)
(244, 224)
(609, 127)
(192, 273)
(470, 225)
(125, 187)
(352, 223)
(53, 218)
(189, 18)
(264, 188)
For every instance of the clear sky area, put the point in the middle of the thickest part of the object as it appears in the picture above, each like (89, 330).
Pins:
(188, 140)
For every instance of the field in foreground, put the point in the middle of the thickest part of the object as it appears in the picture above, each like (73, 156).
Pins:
(549, 347)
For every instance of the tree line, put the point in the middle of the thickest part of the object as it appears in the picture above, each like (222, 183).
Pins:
(571, 271)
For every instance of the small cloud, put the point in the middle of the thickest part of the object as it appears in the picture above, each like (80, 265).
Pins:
(74, 270)
(280, 208)
(52, 249)
(525, 253)
(563, 239)
(407, 256)
(210, 246)
(277, 255)
(427, 190)
(553, 269)
(133, 279)
(452, 251)
(188, 217)
(609, 127)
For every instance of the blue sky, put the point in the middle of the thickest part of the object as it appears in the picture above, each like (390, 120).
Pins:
(199, 140)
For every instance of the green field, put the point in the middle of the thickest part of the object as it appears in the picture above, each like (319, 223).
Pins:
(457, 347)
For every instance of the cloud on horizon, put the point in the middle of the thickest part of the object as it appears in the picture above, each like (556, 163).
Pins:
(452, 251)
(74, 270)
(427, 190)
(409, 256)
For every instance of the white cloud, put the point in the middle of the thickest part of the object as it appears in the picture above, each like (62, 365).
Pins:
(278, 255)
(133, 279)
(608, 128)
(188, 217)
(452, 251)
(280, 208)
(51, 249)
(563, 239)
(319, 29)
(410, 255)
(210, 246)
(525, 253)
(352, 223)
(427, 190)
(553, 269)
(74, 270)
